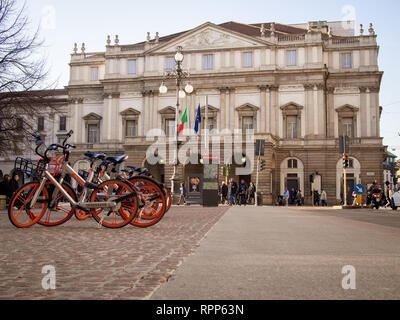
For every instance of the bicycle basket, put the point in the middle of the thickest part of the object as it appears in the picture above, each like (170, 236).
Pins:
(56, 165)
(28, 167)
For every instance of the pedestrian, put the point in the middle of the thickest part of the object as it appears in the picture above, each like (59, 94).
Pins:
(252, 193)
(298, 198)
(224, 193)
(292, 196)
(14, 183)
(316, 198)
(243, 192)
(389, 198)
(324, 198)
(354, 196)
(183, 194)
(232, 191)
(286, 196)
(5, 186)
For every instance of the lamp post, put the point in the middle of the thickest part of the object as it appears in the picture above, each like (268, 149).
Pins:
(178, 74)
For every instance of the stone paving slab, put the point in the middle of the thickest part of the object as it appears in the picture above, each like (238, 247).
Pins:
(94, 263)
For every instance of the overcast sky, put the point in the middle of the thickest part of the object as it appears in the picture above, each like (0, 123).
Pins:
(90, 21)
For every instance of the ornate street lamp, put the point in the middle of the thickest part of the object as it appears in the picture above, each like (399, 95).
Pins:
(178, 74)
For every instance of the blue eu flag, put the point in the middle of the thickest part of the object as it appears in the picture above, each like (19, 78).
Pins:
(198, 120)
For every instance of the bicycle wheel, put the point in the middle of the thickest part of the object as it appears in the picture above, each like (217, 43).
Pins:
(20, 213)
(153, 200)
(126, 209)
(168, 197)
(62, 210)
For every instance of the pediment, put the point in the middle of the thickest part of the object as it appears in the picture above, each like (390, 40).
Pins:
(291, 106)
(130, 112)
(92, 116)
(347, 108)
(209, 37)
(167, 110)
(247, 107)
(210, 109)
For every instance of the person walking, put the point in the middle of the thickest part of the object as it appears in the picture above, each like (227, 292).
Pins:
(232, 191)
(224, 193)
(252, 193)
(298, 198)
(324, 198)
(183, 194)
(286, 196)
(243, 192)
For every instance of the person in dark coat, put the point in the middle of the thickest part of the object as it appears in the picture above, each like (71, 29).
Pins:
(232, 191)
(5, 187)
(252, 193)
(243, 192)
(224, 193)
(14, 183)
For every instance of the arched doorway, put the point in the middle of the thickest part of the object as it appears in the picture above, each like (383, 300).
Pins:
(292, 175)
(240, 168)
(352, 178)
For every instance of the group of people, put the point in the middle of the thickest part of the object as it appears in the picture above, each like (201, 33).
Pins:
(234, 194)
(9, 184)
(296, 197)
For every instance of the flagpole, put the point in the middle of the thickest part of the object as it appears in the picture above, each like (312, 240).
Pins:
(206, 123)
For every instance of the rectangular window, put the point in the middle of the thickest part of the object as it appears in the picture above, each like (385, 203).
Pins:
(292, 164)
(170, 64)
(247, 59)
(40, 124)
(210, 123)
(208, 61)
(170, 127)
(247, 124)
(131, 66)
(346, 60)
(94, 73)
(93, 133)
(347, 128)
(131, 126)
(63, 123)
(291, 127)
(291, 57)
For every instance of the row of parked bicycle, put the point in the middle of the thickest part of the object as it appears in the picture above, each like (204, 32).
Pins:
(113, 197)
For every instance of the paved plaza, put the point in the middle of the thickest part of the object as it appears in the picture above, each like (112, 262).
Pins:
(209, 253)
(93, 263)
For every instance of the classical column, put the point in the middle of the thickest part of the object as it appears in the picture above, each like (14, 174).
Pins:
(268, 112)
(315, 110)
(107, 118)
(261, 118)
(115, 119)
(143, 128)
(222, 118)
(331, 112)
(368, 107)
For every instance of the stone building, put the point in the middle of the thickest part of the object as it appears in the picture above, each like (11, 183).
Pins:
(298, 87)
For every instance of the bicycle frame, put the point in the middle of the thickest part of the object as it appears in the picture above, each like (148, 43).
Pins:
(82, 205)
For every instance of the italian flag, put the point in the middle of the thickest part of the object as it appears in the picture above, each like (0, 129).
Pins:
(183, 120)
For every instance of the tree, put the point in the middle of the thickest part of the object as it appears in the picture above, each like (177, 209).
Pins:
(23, 75)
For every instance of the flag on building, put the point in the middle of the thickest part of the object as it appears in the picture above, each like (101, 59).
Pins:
(198, 120)
(183, 121)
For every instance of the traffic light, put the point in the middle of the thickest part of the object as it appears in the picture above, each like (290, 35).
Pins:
(261, 165)
(345, 161)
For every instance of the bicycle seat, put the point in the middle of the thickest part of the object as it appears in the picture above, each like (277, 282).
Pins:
(142, 171)
(135, 168)
(117, 159)
(95, 156)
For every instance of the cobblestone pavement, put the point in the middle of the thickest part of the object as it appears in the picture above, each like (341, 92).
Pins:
(93, 263)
